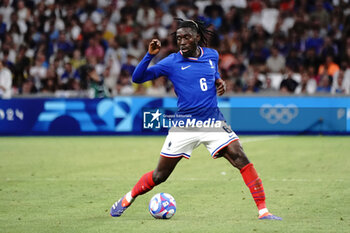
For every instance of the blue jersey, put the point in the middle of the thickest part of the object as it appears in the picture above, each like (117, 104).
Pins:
(193, 80)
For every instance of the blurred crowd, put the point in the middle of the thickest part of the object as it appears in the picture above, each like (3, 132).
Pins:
(89, 48)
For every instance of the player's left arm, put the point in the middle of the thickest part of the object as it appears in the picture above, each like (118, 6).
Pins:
(219, 83)
(220, 86)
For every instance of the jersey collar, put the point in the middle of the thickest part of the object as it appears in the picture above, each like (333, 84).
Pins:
(195, 58)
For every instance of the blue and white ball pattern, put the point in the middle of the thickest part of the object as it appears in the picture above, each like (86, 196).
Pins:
(162, 205)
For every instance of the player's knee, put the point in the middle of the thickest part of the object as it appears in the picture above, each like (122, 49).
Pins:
(235, 149)
(236, 155)
(159, 177)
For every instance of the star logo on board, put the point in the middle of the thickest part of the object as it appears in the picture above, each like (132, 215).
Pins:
(151, 119)
(156, 115)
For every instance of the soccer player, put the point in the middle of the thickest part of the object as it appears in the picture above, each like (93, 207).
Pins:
(194, 74)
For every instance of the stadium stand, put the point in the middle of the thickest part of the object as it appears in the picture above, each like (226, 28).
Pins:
(90, 48)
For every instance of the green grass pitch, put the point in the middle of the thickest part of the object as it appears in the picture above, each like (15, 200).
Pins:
(68, 184)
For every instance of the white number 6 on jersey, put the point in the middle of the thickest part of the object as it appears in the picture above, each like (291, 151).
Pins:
(203, 84)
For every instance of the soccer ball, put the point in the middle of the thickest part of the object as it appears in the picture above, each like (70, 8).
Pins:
(162, 205)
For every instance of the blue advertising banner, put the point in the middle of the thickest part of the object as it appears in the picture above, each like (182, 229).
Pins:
(127, 115)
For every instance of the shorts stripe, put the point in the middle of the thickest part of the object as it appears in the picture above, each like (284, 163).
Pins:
(175, 155)
(224, 145)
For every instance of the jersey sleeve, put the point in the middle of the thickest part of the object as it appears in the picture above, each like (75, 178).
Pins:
(143, 74)
(217, 74)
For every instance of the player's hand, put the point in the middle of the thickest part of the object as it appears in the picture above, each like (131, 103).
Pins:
(220, 86)
(154, 47)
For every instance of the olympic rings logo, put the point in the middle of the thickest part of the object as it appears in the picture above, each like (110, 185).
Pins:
(279, 113)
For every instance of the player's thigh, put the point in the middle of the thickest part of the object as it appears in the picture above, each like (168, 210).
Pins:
(217, 140)
(180, 143)
(235, 155)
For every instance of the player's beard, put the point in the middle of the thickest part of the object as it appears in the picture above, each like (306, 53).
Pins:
(189, 51)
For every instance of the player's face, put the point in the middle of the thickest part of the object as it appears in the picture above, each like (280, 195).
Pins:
(187, 40)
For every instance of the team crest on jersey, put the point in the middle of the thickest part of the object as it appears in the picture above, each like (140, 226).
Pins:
(211, 64)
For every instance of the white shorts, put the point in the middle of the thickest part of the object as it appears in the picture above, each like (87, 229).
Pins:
(181, 142)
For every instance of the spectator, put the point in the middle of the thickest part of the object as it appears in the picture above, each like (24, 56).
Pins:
(233, 20)
(267, 87)
(276, 62)
(16, 35)
(145, 15)
(157, 88)
(22, 12)
(99, 67)
(95, 49)
(58, 65)
(64, 44)
(8, 49)
(288, 84)
(227, 59)
(6, 61)
(128, 67)
(75, 29)
(124, 86)
(38, 71)
(50, 84)
(307, 85)
(293, 60)
(21, 68)
(311, 59)
(320, 15)
(294, 42)
(329, 48)
(28, 87)
(269, 18)
(6, 11)
(252, 82)
(341, 83)
(346, 81)
(5, 82)
(2, 28)
(329, 67)
(214, 13)
(108, 28)
(197, 15)
(70, 78)
(77, 61)
(135, 47)
(325, 84)
(113, 66)
(20, 22)
(95, 83)
(259, 53)
(315, 41)
(156, 30)
(234, 81)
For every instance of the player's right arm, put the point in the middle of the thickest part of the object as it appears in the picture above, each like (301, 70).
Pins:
(144, 74)
(154, 47)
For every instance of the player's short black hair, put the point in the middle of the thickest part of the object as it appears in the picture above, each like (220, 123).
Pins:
(197, 26)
